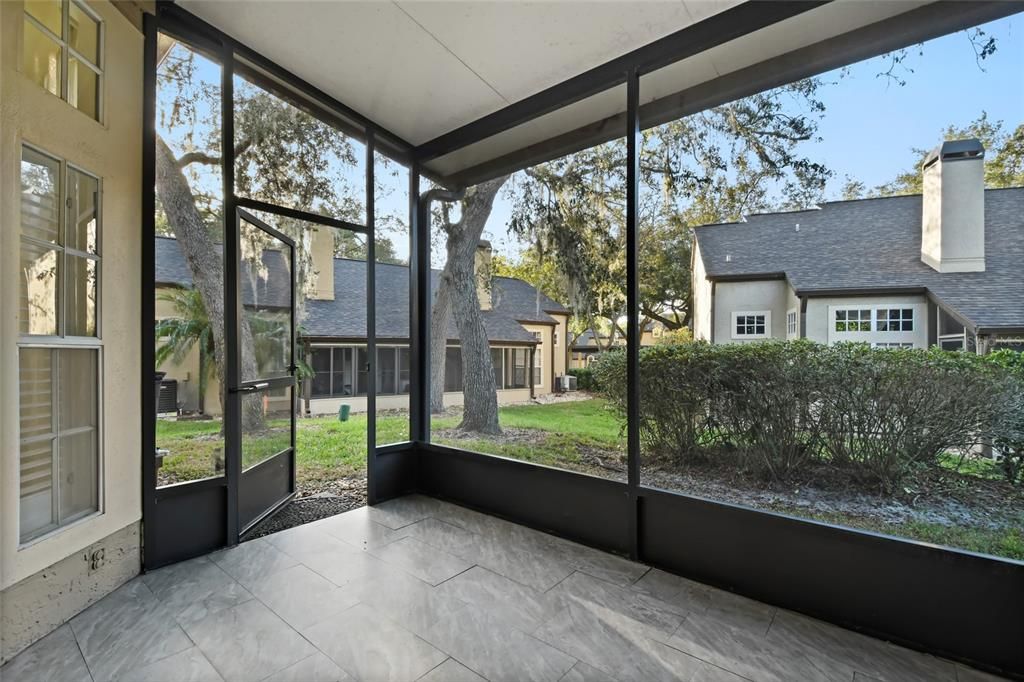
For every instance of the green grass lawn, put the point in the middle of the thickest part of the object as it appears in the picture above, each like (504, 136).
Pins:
(559, 435)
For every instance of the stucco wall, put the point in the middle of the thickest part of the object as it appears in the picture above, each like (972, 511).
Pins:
(766, 295)
(821, 329)
(111, 150)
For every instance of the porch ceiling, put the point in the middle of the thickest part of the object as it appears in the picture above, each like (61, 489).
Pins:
(433, 72)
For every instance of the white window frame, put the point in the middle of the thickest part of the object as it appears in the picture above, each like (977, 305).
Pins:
(63, 341)
(792, 323)
(859, 319)
(66, 52)
(891, 345)
(880, 320)
(734, 319)
(538, 367)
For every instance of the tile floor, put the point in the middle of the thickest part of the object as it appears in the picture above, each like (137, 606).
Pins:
(417, 589)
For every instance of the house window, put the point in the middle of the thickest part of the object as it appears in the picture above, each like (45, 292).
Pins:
(853, 320)
(751, 325)
(59, 351)
(62, 52)
(453, 369)
(792, 323)
(891, 345)
(894, 319)
(554, 337)
(538, 373)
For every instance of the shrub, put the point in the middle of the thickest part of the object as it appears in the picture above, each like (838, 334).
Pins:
(774, 407)
(584, 378)
(1008, 427)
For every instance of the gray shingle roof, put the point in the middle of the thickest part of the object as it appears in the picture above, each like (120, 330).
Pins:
(514, 301)
(876, 244)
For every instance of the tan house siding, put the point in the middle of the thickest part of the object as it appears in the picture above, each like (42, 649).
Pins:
(111, 150)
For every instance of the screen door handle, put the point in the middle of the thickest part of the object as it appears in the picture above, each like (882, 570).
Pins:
(253, 388)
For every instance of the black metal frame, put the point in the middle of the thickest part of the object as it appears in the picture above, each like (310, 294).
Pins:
(951, 602)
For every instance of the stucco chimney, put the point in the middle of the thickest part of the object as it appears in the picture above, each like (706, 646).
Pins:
(322, 252)
(482, 270)
(953, 207)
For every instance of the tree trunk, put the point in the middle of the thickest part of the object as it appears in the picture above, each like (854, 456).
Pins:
(440, 316)
(458, 286)
(205, 263)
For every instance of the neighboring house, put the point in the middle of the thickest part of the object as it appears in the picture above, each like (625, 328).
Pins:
(943, 268)
(585, 348)
(526, 329)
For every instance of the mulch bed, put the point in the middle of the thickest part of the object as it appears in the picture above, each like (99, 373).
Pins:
(315, 501)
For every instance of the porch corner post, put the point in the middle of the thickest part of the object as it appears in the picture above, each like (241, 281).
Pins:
(632, 308)
(371, 323)
(232, 309)
(419, 314)
(147, 332)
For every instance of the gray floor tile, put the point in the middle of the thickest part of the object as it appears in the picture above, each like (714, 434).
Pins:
(537, 570)
(188, 666)
(651, 618)
(423, 561)
(302, 597)
(358, 529)
(251, 560)
(315, 668)
(248, 642)
(54, 657)
(442, 535)
(965, 674)
(608, 567)
(373, 648)
(751, 656)
(496, 650)
(403, 511)
(406, 600)
(473, 521)
(581, 672)
(128, 629)
(615, 644)
(198, 583)
(523, 607)
(300, 540)
(346, 564)
(865, 654)
(451, 671)
(686, 596)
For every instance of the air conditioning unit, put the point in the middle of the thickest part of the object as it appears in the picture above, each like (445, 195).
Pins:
(568, 382)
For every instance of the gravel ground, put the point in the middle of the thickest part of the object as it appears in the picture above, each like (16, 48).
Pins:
(345, 494)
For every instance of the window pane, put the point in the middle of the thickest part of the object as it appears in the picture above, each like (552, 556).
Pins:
(47, 12)
(81, 230)
(77, 388)
(361, 370)
(320, 361)
(41, 59)
(83, 88)
(266, 437)
(40, 196)
(35, 393)
(343, 372)
(266, 289)
(80, 292)
(386, 370)
(40, 291)
(404, 364)
(453, 370)
(77, 467)
(84, 34)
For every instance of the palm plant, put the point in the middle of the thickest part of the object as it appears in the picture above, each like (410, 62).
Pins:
(189, 328)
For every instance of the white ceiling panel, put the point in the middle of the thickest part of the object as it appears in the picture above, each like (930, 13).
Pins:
(369, 55)
(520, 48)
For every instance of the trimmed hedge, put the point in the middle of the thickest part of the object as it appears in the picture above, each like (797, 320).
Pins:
(584, 378)
(776, 407)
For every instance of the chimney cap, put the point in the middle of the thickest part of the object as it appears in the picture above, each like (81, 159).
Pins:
(483, 244)
(956, 150)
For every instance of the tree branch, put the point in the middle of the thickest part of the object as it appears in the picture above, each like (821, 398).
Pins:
(189, 158)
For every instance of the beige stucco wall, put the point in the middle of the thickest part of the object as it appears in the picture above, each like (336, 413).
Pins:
(187, 372)
(560, 349)
(111, 150)
(820, 328)
(754, 296)
(542, 356)
(701, 297)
